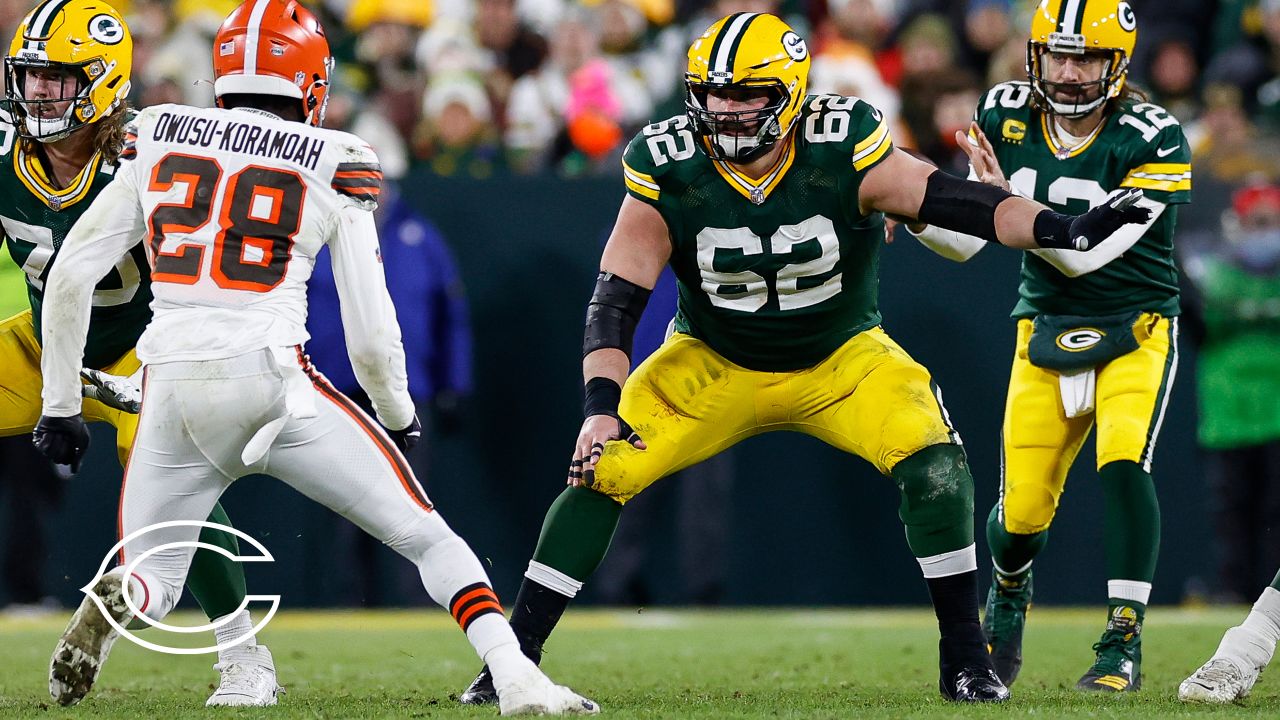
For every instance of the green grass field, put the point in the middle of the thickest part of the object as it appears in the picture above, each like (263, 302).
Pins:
(641, 664)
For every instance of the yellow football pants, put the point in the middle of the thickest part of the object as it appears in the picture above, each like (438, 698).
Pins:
(868, 398)
(1040, 442)
(20, 385)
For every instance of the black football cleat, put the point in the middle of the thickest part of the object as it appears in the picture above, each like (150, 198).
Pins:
(481, 690)
(965, 673)
(973, 684)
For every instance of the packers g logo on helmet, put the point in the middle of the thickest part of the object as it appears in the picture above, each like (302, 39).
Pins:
(1077, 27)
(745, 57)
(73, 52)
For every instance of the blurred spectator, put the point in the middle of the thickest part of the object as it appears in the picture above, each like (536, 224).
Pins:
(955, 95)
(423, 280)
(928, 72)
(34, 489)
(844, 60)
(171, 49)
(387, 36)
(1237, 288)
(1173, 76)
(457, 135)
(348, 111)
(1226, 143)
(987, 26)
(516, 50)
(571, 113)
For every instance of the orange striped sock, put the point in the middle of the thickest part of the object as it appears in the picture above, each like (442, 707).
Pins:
(471, 602)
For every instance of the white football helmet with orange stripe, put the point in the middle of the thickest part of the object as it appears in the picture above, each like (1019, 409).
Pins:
(274, 47)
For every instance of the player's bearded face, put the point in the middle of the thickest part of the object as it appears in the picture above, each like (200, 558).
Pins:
(741, 108)
(48, 92)
(1074, 79)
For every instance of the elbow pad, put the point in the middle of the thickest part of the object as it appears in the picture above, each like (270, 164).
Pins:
(615, 309)
(962, 205)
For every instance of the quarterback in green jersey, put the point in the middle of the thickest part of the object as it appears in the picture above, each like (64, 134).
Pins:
(768, 204)
(1097, 332)
(66, 81)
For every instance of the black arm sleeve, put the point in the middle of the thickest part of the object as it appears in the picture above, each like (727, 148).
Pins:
(961, 205)
(615, 309)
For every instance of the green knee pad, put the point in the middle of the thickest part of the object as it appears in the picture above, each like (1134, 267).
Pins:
(216, 581)
(937, 500)
(577, 532)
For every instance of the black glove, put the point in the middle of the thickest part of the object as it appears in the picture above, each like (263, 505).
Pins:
(64, 440)
(406, 438)
(1084, 232)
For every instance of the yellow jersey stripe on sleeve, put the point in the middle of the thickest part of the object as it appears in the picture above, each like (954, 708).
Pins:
(873, 139)
(639, 189)
(1161, 185)
(869, 151)
(1163, 169)
(1164, 177)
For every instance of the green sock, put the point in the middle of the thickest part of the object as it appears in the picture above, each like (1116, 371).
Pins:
(577, 532)
(937, 500)
(215, 581)
(1131, 521)
(1012, 552)
(1125, 616)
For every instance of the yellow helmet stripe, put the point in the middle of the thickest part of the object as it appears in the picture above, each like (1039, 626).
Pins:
(1071, 17)
(41, 21)
(726, 46)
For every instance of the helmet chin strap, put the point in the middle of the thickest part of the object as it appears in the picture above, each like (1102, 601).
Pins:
(47, 131)
(1075, 110)
(735, 147)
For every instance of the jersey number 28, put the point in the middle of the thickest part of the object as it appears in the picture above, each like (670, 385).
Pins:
(260, 213)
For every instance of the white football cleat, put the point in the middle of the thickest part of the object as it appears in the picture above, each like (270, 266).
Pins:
(83, 648)
(248, 680)
(537, 695)
(1221, 680)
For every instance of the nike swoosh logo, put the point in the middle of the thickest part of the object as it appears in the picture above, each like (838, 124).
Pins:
(1164, 152)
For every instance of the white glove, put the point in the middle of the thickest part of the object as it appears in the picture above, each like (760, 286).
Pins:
(116, 391)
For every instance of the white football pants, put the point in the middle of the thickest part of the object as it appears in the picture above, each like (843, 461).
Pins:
(198, 417)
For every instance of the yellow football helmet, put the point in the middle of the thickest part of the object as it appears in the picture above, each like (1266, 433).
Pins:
(1078, 27)
(77, 52)
(746, 56)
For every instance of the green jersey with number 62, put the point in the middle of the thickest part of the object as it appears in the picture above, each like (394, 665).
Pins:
(36, 217)
(776, 272)
(1138, 144)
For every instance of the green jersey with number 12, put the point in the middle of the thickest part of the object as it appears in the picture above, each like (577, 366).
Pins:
(36, 217)
(1138, 144)
(776, 272)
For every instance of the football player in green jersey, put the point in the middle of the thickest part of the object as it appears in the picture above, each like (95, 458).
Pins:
(1097, 332)
(66, 79)
(768, 204)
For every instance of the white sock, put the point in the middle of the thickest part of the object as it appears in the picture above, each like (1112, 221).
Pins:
(237, 627)
(1131, 590)
(1254, 640)
(494, 642)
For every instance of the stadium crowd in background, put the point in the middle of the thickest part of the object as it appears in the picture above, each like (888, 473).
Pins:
(479, 87)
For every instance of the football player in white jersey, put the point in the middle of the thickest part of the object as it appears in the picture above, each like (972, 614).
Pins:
(235, 203)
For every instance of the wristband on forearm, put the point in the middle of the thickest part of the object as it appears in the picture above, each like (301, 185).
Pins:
(602, 397)
(1053, 230)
